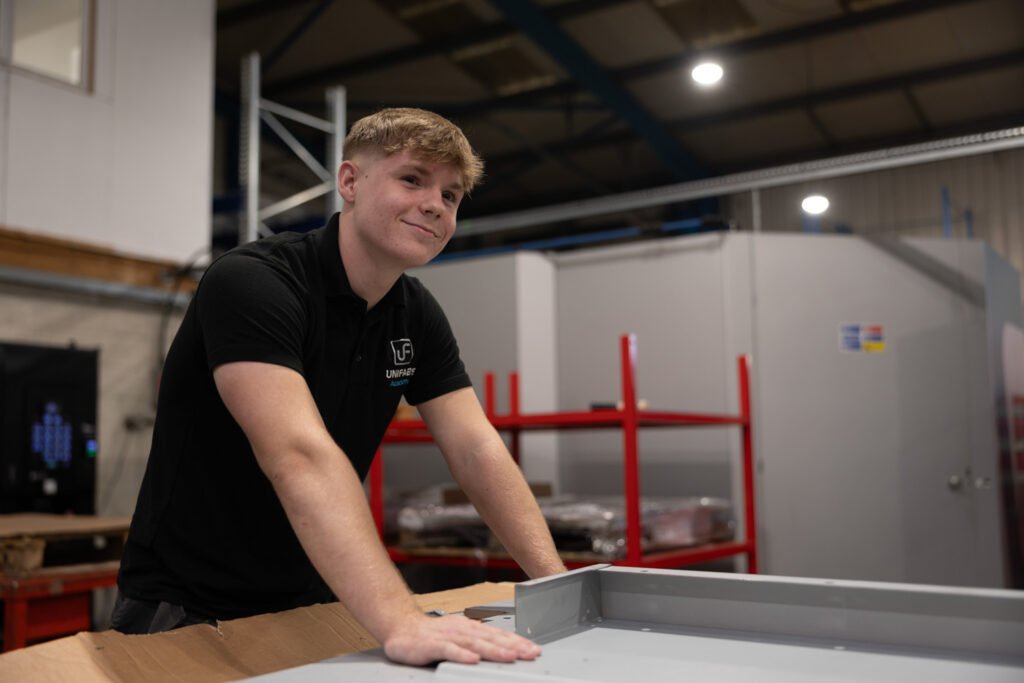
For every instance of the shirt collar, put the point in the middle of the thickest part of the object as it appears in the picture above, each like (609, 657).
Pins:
(333, 269)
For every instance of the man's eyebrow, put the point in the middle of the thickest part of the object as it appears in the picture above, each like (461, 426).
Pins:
(423, 170)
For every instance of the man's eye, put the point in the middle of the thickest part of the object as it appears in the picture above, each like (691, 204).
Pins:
(449, 196)
(411, 179)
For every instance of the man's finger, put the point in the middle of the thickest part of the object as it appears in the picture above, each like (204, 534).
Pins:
(524, 648)
(456, 653)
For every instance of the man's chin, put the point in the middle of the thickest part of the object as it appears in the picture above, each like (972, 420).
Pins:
(423, 259)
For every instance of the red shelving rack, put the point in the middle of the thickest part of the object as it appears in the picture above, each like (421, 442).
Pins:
(630, 420)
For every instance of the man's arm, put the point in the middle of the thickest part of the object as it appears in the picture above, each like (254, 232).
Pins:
(327, 508)
(483, 467)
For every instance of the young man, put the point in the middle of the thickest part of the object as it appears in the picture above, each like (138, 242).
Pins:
(277, 390)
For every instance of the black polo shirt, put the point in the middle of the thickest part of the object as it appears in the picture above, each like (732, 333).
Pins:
(209, 532)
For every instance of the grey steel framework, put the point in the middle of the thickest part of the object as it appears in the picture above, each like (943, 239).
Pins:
(616, 624)
(256, 109)
(751, 181)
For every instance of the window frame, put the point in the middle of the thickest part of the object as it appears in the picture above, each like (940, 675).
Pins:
(87, 42)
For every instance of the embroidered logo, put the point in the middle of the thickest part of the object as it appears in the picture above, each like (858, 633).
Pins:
(401, 349)
(402, 354)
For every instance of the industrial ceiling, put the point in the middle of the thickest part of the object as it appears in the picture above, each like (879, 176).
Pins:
(575, 99)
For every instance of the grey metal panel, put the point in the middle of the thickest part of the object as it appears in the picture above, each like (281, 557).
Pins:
(973, 622)
(550, 608)
(613, 624)
(627, 651)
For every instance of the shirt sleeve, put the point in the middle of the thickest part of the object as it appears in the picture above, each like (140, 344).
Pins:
(441, 370)
(250, 310)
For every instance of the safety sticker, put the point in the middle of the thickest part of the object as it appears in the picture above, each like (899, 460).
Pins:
(859, 338)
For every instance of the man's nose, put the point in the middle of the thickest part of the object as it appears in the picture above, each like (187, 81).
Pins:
(432, 203)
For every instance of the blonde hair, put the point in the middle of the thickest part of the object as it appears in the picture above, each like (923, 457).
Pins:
(424, 133)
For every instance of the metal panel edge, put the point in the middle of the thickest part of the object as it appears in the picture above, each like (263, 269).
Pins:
(555, 606)
(973, 621)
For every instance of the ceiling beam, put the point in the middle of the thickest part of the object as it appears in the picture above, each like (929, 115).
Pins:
(293, 36)
(901, 81)
(846, 22)
(227, 18)
(807, 31)
(334, 74)
(551, 38)
(915, 106)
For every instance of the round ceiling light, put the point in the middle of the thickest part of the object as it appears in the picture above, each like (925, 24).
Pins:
(814, 204)
(707, 73)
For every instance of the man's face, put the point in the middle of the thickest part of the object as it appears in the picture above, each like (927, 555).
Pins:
(403, 206)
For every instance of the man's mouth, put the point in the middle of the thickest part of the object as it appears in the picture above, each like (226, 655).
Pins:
(422, 228)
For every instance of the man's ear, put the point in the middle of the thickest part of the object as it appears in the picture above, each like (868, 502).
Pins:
(348, 176)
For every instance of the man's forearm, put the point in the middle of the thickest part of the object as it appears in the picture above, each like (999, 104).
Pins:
(497, 488)
(327, 509)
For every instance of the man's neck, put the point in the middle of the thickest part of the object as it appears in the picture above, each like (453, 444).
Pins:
(369, 276)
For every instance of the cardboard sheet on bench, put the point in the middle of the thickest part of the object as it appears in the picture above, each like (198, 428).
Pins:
(236, 649)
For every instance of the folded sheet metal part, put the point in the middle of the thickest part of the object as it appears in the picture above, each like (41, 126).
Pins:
(610, 624)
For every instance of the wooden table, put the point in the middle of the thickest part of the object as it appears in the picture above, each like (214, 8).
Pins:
(52, 601)
(49, 593)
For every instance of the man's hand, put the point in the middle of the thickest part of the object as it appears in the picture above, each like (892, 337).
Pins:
(425, 640)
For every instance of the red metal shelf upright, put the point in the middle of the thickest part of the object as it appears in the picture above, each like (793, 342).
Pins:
(630, 419)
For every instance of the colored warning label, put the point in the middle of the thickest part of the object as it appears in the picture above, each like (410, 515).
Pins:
(849, 338)
(857, 338)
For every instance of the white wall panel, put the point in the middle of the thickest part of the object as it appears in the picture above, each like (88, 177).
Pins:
(536, 360)
(127, 165)
(5, 98)
(163, 127)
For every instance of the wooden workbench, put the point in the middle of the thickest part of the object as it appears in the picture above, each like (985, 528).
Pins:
(234, 649)
(49, 566)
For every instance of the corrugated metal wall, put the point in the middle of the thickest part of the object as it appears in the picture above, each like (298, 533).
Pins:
(908, 202)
